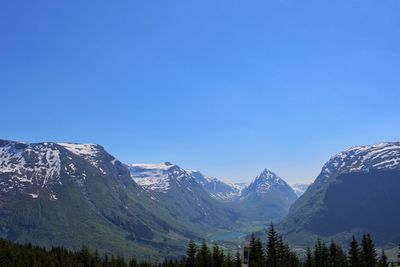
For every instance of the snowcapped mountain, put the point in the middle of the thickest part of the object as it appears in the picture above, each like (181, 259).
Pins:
(217, 188)
(73, 194)
(299, 189)
(354, 191)
(170, 184)
(266, 183)
(35, 168)
(384, 156)
(158, 177)
(267, 198)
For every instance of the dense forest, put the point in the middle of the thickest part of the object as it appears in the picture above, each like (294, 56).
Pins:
(276, 253)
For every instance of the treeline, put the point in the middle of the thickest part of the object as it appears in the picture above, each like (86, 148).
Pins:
(278, 254)
(275, 253)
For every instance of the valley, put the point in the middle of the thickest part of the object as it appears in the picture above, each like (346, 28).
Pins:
(68, 194)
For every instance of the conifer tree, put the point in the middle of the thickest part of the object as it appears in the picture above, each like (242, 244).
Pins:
(271, 250)
(368, 252)
(204, 256)
(252, 249)
(285, 257)
(321, 254)
(342, 257)
(281, 253)
(217, 256)
(258, 253)
(333, 254)
(354, 253)
(309, 258)
(191, 254)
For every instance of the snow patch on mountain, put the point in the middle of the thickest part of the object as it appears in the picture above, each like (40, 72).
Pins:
(157, 177)
(364, 158)
(26, 166)
(89, 152)
(265, 180)
(299, 189)
(217, 188)
(33, 163)
(156, 166)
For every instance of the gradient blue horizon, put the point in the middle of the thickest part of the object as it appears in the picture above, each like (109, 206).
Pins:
(225, 87)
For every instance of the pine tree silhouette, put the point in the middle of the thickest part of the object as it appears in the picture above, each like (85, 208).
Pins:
(271, 250)
(368, 252)
(191, 254)
(309, 258)
(354, 253)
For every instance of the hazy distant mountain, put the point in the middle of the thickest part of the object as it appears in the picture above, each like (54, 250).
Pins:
(299, 189)
(357, 191)
(268, 197)
(217, 188)
(179, 192)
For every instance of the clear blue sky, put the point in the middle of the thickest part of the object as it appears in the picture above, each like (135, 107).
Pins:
(226, 87)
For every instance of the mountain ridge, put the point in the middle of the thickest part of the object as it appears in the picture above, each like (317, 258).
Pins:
(360, 174)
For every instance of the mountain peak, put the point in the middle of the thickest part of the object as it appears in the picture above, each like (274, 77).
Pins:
(267, 175)
(267, 178)
(158, 177)
(268, 196)
(217, 188)
(31, 168)
(265, 182)
(364, 158)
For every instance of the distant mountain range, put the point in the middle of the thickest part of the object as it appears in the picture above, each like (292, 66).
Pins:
(357, 191)
(217, 188)
(182, 196)
(73, 194)
(267, 198)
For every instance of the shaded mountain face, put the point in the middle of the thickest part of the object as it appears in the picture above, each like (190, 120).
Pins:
(356, 192)
(268, 197)
(74, 194)
(179, 192)
(217, 188)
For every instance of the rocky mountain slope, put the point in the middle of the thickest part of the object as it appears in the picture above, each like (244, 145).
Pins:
(356, 191)
(74, 194)
(178, 191)
(267, 198)
(217, 188)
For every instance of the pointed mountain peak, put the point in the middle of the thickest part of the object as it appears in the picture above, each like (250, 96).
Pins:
(268, 177)
(266, 181)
